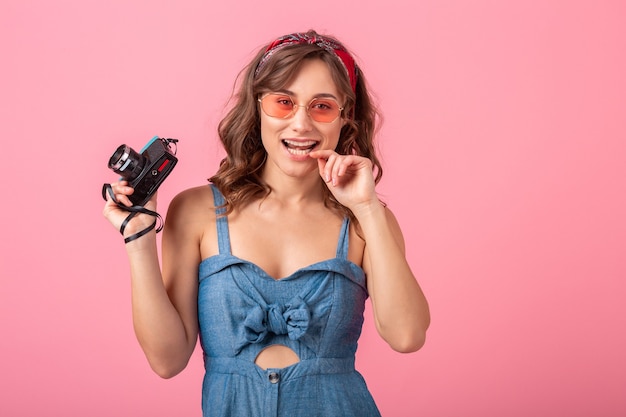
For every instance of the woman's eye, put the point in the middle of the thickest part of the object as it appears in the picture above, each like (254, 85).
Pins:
(321, 106)
(285, 102)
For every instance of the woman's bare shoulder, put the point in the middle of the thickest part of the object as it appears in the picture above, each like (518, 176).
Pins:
(193, 204)
(192, 195)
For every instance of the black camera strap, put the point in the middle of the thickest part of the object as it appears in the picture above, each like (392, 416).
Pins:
(134, 210)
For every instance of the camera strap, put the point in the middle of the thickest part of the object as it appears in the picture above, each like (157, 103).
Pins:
(134, 210)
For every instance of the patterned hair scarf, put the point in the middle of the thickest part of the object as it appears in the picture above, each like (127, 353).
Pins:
(332, 46)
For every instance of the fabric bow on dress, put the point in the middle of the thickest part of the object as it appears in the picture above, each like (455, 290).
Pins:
(291, 319)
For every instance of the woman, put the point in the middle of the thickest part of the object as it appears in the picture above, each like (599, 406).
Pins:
(272, 263)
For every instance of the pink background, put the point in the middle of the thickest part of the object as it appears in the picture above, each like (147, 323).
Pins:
(505, 152)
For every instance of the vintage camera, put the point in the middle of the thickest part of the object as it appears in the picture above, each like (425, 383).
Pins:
(145, 171)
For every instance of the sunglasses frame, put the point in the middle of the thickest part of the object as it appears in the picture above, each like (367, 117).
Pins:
(295, 107)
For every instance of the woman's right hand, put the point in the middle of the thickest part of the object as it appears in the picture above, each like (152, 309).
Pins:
(116, 215)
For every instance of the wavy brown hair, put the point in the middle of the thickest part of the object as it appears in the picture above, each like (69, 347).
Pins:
(239, 173)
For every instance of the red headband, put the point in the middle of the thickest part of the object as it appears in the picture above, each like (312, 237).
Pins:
(332, 46)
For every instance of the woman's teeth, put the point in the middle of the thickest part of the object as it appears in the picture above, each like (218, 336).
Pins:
(299, 147)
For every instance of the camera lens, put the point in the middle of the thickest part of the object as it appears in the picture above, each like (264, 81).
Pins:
(126, 162)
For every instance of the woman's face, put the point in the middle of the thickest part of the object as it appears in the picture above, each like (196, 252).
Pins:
(288, 141)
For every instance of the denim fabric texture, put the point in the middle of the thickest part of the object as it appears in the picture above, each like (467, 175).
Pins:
(317, 312)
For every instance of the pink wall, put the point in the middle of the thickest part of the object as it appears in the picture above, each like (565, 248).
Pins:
(505, 151)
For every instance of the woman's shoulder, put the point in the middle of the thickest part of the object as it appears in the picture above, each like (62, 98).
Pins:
(192, 212)
(195, 194)
(193, 204)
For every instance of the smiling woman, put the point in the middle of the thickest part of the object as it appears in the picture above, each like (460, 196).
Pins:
(272, 263)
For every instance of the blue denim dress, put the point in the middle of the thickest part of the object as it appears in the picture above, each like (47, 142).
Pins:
(317, 311)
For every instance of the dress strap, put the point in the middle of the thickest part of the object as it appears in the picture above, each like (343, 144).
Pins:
(344, 239)
(223, 236)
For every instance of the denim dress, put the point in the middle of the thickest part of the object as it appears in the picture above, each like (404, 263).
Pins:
(317, 312)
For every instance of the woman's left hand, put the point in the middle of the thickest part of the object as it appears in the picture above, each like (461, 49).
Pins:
(348, 177)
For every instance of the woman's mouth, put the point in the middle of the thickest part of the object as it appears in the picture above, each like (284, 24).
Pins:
(299, 147)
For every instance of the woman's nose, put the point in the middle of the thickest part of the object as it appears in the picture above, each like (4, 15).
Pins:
(301, 120)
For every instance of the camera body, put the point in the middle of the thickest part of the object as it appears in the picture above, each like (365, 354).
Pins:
(145, 171)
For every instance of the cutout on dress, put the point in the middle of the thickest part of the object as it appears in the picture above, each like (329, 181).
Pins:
(276, 356)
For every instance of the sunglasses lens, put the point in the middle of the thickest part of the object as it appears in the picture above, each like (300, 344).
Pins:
(277, 105)
(324, 110)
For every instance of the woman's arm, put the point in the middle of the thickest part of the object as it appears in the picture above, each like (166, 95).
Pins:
(164, 304)
(401, 311)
